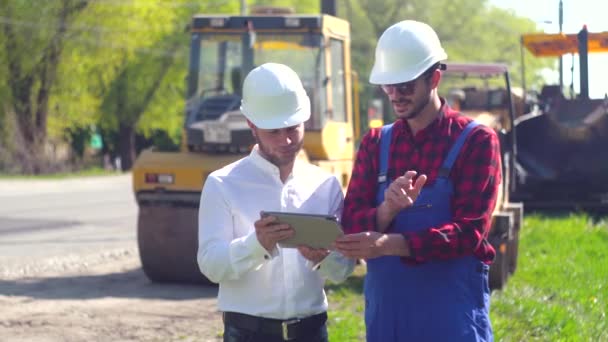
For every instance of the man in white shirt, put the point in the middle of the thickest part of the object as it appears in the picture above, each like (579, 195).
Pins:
(269, 293)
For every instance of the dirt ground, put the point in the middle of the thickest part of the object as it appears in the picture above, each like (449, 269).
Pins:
(101, 297)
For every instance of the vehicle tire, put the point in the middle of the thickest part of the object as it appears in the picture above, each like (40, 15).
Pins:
(167, 238)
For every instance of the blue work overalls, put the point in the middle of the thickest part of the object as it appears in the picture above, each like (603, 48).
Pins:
(435, 301)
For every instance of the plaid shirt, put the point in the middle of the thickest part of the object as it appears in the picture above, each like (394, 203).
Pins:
(476, 175)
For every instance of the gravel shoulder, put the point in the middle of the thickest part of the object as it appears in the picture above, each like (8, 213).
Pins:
(101, 297)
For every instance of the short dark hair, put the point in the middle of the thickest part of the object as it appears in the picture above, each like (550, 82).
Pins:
(428, 72)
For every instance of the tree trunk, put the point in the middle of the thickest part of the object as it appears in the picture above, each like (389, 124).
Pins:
(126, 130)
(126, 146)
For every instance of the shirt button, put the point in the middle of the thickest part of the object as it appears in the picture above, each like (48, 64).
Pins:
(266, 256)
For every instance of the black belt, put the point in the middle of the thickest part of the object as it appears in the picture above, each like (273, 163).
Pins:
(288, 329)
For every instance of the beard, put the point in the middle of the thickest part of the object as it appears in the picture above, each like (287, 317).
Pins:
(417, 105)
(417, 108)
(279, 159)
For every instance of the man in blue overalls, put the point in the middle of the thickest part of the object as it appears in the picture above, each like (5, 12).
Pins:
(419, 204)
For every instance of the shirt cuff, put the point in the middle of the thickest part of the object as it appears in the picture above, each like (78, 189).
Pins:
(416, 256)
(257, 250)
(313, 266)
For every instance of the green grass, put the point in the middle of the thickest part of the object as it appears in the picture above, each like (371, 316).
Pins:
(558, 293)
(345, 321)
(94, 171)
(560, 289)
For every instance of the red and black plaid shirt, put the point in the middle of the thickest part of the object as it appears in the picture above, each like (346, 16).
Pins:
(476, 175)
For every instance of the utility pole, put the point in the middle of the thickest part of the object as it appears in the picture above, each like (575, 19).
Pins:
(244, 7)
(561, 66)
(328, 7)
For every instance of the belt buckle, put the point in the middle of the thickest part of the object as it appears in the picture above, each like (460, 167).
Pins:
(285, 328)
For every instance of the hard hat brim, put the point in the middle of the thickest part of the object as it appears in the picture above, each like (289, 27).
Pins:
(379, 76)
(302, 114)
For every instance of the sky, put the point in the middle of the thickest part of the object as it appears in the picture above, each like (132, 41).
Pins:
(576, 13)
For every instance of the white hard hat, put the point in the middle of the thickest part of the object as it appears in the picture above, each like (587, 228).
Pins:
(273, 97)
(404, 51)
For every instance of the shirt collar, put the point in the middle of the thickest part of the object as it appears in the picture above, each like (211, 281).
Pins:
(258, 160)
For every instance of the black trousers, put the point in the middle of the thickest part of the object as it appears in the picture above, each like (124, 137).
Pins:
(234, 333)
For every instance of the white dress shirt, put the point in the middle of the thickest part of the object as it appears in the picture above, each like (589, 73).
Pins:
(282, 284)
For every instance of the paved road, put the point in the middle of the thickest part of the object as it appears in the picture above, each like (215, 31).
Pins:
(43, 219)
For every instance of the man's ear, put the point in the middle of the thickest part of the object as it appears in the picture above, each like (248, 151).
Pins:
(435, 79)
(253, 128)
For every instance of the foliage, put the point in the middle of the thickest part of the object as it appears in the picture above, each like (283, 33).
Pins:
(139, 84)
(33, 39)
(136, 55)
(124, 63)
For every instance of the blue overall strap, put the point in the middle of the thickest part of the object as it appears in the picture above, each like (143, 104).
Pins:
(385, 144)
(444, 171)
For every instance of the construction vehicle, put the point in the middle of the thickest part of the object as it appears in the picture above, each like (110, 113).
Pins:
(561, 163)
(482, 91)
(223, 49)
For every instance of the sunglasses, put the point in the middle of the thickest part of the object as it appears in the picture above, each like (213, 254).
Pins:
(405, 88)
(408, 88)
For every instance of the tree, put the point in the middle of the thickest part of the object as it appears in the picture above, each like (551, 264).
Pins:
(134, 69)
(32, 57)
(69, 65)
(131, 93)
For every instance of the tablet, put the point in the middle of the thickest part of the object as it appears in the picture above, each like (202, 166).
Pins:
(316, 231)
